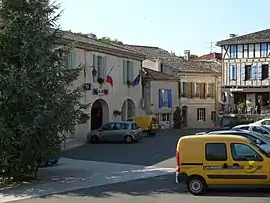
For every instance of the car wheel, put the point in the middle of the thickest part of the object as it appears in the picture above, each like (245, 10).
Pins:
(196, 185)
(128, 139)
(94, 139)
(54, 162)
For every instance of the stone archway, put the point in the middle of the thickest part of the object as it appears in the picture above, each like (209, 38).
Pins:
(128, 109)
(99, 114)
(185, 116)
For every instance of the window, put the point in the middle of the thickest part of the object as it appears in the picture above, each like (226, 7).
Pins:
(251, 137)
(242, 152)
(185, 89)
(197, 90)
(134, 126)
(161, 67)
(100, 66)
(259, 130)
(109, 126)
(165, 98)
(213, 116)
(201, 114)
(165, 117)
(69, 59)
(209, 90)
(266, 122)
(121, 126)
(253, 72)
(264, 50)
(233, 51)
(233, 72)
(216, 152)
(245, 51)
(244, 128)
(264, 71)
(247, 72)
(129, 71)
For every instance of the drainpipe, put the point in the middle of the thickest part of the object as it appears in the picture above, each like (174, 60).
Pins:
(216, 99)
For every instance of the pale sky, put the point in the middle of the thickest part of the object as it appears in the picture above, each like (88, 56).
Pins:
(174, 25)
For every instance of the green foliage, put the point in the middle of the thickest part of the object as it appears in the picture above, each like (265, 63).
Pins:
(240, 121)
(106, 40)
(177, 118)
(36, 104)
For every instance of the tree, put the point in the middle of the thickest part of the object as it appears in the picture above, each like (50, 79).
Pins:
(177, 118)
(192, 56)
(36, 104)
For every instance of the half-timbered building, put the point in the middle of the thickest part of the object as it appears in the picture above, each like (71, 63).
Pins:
(246, 69)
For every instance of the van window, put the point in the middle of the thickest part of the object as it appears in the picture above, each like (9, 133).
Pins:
(216, 152)
(242, 152)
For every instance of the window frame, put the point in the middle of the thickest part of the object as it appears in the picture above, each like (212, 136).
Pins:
(217, 143)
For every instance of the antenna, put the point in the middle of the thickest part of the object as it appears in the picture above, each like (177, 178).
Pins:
(211, 46)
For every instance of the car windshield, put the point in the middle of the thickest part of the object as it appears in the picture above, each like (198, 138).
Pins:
(260, 149)
(265, 128)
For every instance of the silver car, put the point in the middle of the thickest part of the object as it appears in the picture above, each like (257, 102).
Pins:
(126, 131)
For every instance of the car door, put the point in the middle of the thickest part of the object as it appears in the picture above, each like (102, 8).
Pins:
(119, 131)
(248, 165)
(216, 163)
(106, 132)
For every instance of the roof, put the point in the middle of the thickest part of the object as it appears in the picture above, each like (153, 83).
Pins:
(176, 62)
(156, 75)
(78, 38)
(149, 51)
(192, 66)
(215, 137)
(255, 37)
(210, 56)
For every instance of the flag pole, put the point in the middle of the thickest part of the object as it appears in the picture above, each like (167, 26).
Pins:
(108, 74)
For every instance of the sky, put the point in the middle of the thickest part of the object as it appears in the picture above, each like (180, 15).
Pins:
(174, 25)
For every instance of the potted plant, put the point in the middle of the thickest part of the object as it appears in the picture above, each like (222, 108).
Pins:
(117, 113)
(128, 83)
(100, 80)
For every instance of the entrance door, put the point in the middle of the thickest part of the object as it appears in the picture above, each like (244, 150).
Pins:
(96, 115)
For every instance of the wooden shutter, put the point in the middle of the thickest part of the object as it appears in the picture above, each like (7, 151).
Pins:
(201, 91)
(204, 90)
(189, 90)
(192, 89)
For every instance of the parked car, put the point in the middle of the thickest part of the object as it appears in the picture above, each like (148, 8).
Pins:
(265, 122)
(148, 124)
(220, 160)
(51, 161)
(254, 128)
(211, 130)
(126, 131)
(260, 140)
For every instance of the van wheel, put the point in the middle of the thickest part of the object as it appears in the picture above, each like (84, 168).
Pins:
(196, 185)
(94, 139)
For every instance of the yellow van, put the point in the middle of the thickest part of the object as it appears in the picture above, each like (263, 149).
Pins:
(209, 160)
(148, 124)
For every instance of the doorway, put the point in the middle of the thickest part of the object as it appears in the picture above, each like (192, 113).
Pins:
(185, 116)
(99, 114)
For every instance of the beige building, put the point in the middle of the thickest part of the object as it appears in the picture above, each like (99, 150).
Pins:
(199, 91)
(115, 100)
(160, 95)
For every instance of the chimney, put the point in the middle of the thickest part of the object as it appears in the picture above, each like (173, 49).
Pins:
(233, 35)
(186, 54)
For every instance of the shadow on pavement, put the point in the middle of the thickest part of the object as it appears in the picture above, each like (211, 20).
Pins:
(161, 185)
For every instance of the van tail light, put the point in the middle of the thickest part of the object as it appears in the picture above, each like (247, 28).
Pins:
(177, 161)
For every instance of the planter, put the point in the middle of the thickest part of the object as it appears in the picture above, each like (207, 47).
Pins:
(116, 113)
(100, 81)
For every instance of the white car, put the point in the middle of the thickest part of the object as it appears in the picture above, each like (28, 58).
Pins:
(265, 122)
(254, 128)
